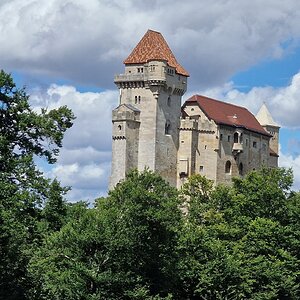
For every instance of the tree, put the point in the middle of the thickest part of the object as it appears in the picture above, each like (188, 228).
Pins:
(125, 248)
(24, 134)
(241, 242)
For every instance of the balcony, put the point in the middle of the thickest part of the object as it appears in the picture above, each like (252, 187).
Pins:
(237, 148)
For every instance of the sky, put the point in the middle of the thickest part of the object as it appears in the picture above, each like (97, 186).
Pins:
(68, 52)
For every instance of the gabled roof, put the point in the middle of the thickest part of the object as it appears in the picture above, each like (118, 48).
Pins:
(227, 114)
(264, 117)
(154, 47)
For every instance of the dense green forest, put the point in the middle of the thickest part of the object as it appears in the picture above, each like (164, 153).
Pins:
(145, 240)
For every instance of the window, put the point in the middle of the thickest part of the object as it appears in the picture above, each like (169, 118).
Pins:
(139, 99)
(228, 167)
(246, 142)
(140, 70)
(241, 169)
(169, 101)
(236, 137)
(221, 137)
(135, 99)
(205, 147)
(201, 169)
(119, 127)
(152, 68)
(241, 138)
(167, 128)
(254, 144)
(228, 138)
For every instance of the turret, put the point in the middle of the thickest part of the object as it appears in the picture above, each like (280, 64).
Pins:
(153, 83)
(265, 118)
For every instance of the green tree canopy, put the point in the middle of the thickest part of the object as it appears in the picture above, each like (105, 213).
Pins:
(125, 248)
(24, 133)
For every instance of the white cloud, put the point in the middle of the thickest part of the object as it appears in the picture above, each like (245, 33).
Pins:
(282, 102)
(84, 161)
(288, 161)
(87, 40)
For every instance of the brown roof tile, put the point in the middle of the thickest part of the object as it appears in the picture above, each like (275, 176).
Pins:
(227, 114)
(154, 47)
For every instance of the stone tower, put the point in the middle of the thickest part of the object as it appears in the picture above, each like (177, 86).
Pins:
(146, 122)
(265, 119)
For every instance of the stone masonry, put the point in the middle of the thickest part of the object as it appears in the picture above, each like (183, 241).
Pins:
(204, 136)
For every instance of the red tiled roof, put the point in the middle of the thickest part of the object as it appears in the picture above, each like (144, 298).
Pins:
(154, 47)
(227, 114)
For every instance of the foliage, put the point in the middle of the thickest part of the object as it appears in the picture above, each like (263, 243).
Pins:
(122, 249)
(24, 134)
(242, 241)
(232, 242)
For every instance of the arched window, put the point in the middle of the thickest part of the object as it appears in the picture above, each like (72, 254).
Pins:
(228, 167)
(139, 99)
(119, 127)
(241, 138)
(236, 137)
(241, 169)
(167, 127)
(135, 99)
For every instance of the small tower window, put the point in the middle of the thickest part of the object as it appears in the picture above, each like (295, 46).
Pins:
(167, 128)
(119, 127)
(228, 167)
(169, 101)
(135, 99)
(139, 99)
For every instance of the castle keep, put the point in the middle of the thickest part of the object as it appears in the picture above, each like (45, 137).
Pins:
(204, 136)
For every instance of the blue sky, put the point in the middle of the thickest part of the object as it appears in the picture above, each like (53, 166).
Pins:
(67, 53)
(274, 73)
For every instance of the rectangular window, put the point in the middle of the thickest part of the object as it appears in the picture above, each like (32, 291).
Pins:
(221, 137)
(254, 144)
(201, 169)
(228, 138)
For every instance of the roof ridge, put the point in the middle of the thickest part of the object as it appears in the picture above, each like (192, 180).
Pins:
(226, 103)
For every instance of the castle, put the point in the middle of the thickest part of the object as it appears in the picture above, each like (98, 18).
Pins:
(203, 136)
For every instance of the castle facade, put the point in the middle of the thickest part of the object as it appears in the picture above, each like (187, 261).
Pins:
(152, 129)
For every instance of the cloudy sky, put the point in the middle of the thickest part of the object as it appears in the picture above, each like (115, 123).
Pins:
(67, 53)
